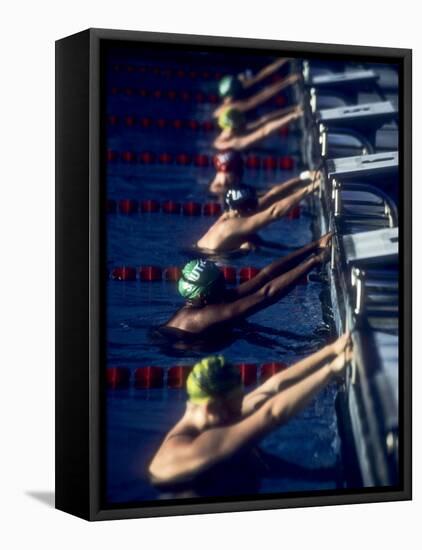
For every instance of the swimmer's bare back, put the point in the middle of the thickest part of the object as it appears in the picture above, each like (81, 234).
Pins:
(226, 235)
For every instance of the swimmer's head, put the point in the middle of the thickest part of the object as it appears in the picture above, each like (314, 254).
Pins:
(229, 162)
(232, 119)
(243, 199)
(201, 282)
(229, 166)
(230, 87)
(215, 380)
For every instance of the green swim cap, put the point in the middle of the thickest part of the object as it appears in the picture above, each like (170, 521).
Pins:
(200, 279)
(229, 86)
(212, 377)
(231, 118)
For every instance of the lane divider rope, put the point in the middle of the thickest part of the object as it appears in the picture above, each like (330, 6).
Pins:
(155, 377)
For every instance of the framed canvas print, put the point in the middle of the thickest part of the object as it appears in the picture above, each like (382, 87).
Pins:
(233, 274)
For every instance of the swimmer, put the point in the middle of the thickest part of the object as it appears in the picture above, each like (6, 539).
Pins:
(229, 167)
(229, 171)
(246, 214)
(232, 91)
(211, 309)
(238, 134)
(222, 426)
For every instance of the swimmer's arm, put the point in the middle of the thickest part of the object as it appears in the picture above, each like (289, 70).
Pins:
(254, 223)
(278, 191)
(292, 375)
(183, 456)
(240, 143)
(243, 307)
(267, 93)
(218, 444)
(266, 71)
(275, 268)
(270, 116)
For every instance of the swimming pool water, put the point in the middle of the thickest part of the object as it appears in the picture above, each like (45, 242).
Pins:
(287, 331)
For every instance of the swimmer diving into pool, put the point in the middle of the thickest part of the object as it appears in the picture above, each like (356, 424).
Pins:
(236, 229)
(229, 167)
(232, 90)
(236, 133)
(211, 309)
(222, 426)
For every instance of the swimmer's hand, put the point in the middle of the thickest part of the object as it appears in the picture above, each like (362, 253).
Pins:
(323, 255)
(342, 343)
(297, 112)
(339, 364)
(325, 240)
(292, 78)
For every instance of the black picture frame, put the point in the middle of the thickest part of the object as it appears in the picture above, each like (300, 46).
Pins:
(79, 269)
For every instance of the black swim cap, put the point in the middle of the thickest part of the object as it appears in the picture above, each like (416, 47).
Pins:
(229, 161)
(241, 198)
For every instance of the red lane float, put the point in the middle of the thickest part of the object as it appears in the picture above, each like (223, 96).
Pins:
(165, 158)
(284, 132)
(248, 373)
(177, 124)
(213, 98)
(123, 274)
(149, 377)
(130, 121)
(118, 377)
(113, 120)
(192, 209)
(208, 126)
(247, 273)
(128, 206)
(146, 157)
(229, 273)
(294, 213)
(128, 156)
(211, 209)
(161, 123)
(280, 101)
(171, 207)
(183, 159)
(149, 206)
(253, 162)
(193, 125)
(202, 161)
(150, 274)
(287, 163)
(112, 155)
(171, 94)
(177, 376)
(145, 122)
(269, 369)
(172, 274)
(270, 163)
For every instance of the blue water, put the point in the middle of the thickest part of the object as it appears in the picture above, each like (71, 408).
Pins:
(137, 420)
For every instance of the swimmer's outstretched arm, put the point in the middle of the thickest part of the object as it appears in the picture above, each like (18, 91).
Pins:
(252, 224)
(280, 266)
(268, 294)
(294, 374)
(180, 456)
(261, 97)
(280, 190)
(266, 71)
(240, 143)
(270, 116)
